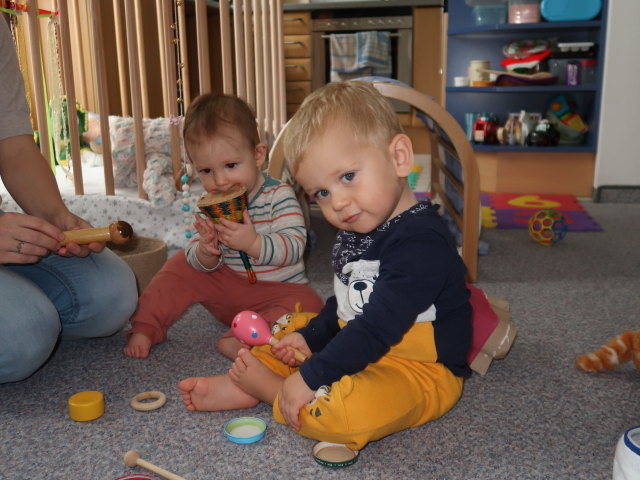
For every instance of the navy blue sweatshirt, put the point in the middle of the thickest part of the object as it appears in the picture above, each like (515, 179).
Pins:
(418, 267)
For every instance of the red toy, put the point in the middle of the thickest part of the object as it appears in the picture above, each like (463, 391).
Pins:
(485, 130)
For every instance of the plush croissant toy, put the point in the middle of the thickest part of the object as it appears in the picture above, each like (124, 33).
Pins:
(614, 353)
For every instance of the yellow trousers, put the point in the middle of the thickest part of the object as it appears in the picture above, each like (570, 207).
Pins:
(403, 389)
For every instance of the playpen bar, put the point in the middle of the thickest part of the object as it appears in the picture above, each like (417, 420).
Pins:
(249, 61)
(170, 72)
(70, 92)
(163, 56)
(204, 67)
(279, 46)
(142, 67)
(273, 51)
(257, 36)
(35, 69)
(225, 41)
(122, 68)
(103, 96)
(184, 57)
(134, 79)
(238, 37)
(268, 71)
(81, 86)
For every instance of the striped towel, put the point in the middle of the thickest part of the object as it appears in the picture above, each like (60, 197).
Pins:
(360, 54)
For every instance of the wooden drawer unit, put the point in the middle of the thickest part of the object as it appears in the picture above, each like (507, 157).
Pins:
(297, 46)
(291, 109)
(297, 69)
(297, 58)
(296, 91)
(296, 23)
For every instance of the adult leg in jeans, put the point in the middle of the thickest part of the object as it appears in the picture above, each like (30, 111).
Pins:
(92, 296)
(29, 326)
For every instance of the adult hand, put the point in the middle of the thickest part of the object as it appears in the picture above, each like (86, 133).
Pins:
(69, 221)
(294, 395)
(26, 239)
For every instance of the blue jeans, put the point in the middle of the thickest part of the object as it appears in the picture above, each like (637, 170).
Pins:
(60, 297)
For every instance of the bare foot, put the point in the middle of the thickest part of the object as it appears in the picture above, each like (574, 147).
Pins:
(229, 346)
(214, 393)
(138, 346)
(254, 378)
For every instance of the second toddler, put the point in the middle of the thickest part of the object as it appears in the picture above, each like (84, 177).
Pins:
(222, 142)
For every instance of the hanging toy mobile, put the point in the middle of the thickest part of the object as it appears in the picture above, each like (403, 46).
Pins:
(186, 199)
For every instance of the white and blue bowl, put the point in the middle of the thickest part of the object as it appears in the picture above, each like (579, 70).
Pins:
(245, 429)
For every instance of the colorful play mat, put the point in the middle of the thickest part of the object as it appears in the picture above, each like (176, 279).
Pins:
(513, 210)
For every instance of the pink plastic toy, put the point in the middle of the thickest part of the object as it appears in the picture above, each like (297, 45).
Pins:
(252, 329)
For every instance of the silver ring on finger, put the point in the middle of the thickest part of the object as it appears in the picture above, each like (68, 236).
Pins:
(19, 246)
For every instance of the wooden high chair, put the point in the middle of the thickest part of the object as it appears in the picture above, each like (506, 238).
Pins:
(455, 180)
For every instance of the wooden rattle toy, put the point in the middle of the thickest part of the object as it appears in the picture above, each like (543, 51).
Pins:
(229, 205)
(132, 458)
(117, 232)
(252, 329)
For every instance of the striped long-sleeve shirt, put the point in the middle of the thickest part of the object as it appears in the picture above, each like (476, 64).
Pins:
(277, 218)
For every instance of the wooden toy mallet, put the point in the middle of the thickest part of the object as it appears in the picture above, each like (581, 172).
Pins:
(117, 232)
(253, 330)
(132, 459)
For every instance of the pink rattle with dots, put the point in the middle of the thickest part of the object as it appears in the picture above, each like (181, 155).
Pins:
(252, 329)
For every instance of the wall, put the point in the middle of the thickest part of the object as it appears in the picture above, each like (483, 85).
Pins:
(617, 161)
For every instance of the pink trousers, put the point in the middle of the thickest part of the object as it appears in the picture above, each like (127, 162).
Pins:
(224, 293)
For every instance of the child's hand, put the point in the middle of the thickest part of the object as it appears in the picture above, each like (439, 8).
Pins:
(208, 236)
(294, 395)
(285, 354)
(240, 236)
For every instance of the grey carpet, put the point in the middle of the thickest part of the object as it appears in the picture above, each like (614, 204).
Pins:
(533, 416)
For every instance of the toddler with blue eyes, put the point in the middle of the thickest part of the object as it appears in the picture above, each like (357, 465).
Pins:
(222, 142)
(389, 350)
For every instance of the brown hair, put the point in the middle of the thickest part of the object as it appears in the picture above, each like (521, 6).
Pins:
(356, 103)
(209, 113)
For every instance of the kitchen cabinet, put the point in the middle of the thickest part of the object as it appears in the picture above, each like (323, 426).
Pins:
(427, 53)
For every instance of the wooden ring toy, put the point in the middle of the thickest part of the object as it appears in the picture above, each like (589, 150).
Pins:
(138, 404)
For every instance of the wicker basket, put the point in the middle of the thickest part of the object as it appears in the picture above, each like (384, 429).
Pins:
(145, 256)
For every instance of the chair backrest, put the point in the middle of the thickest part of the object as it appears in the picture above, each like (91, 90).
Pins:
(455, 180)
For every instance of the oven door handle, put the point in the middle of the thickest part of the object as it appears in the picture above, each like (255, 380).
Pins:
(391, 35)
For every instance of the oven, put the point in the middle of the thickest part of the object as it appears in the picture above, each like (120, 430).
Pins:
(400, 35)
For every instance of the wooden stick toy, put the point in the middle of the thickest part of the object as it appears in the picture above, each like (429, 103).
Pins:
(229, 205)
(252, 329)
(117, 232)
(132, 459)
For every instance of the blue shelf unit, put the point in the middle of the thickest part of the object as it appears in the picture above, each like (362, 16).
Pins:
(467, 41)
